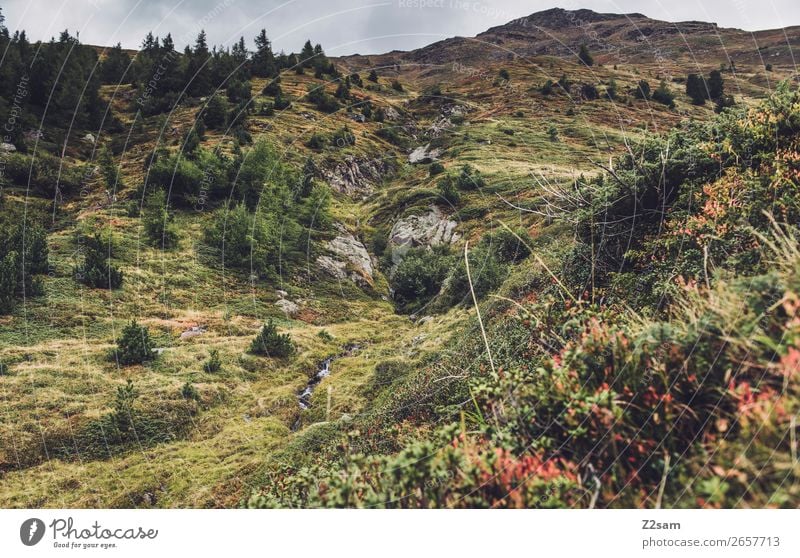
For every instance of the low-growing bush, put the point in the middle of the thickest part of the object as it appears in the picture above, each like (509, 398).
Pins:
(270, 343)
(134, 345)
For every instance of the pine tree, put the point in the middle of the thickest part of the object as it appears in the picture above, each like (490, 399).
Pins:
(585, 56)
(134, 345)
(263, 62)
(716, 85)
(696, 89)
(307, 55)
(115, 65)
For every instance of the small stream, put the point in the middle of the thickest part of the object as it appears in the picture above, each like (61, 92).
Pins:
(304, 398)
(324, 370)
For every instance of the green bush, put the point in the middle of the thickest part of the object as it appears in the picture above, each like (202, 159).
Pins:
(664, 95)
(469, 179)
(270, 343)
(123, 416)
(486, 271)
(96, 270)
(435, 168)
(20, 236)
(343, 137)
(213, 364)
(215, 114)
(321, 100)
(134, 345)
(316, 141)
(448, 191)
(157, 221)
(419, 277)
(508, 246)
(178, 175)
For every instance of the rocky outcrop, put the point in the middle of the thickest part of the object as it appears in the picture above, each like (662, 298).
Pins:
(430, 229)
(356, 176)
(347, 259)
(287, 306)
(423, 155)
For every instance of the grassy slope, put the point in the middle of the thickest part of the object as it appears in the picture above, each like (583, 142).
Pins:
(56, 345)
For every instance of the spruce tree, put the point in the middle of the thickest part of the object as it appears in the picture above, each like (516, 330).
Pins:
(585, 56)
(263, 62)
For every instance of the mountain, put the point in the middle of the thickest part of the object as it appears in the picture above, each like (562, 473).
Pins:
(614, 38)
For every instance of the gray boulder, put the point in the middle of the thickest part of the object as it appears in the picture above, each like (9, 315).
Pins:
(430, 229)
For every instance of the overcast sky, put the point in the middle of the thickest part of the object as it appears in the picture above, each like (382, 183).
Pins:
(347, 26)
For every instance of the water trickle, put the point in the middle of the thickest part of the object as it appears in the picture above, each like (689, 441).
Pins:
(304, 398)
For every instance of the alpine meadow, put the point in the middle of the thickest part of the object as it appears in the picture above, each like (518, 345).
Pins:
(553, 265)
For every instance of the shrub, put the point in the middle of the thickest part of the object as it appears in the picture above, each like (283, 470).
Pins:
(20, 237)
(157, 221)
(239, 90)
(642, 90)
(487, 274)
(316, 141)
(343, 137)
(589, 92)
(435, 168)
(270, 343)
(272, 88)
(585, 56)
(189, 392)
(508, 246)
(213, 364)
(134, 346)
(321, 100)
(504, 75)
(419, 276)
(552, 132)
(281, 102)
(397, 86)
(215, 114)
(696, 89)
(373, 76)
(178, 175)
(768, 67)
(123, 415)
(448, 190)
(547, 88)
(664, 95)
(469, 178)
(96, 270)
(611, 89)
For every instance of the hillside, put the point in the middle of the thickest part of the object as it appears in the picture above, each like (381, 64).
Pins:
(614, 228)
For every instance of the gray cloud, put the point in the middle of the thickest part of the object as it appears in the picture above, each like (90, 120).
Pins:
(346, 26)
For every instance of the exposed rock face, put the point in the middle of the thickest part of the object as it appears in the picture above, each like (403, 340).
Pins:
(193, 331)
(356, 176)
(430, 229)
(423, 154)
(288, 307)
(350, 249)
(348, 259)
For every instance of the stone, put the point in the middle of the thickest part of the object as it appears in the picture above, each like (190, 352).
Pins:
(89, 138)
(356, 176)
(430, 229)
(348, 259)
(288, 307)
(7, 148)
(348, 248)
(423, 155)
(332, 267)
(193, 331)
